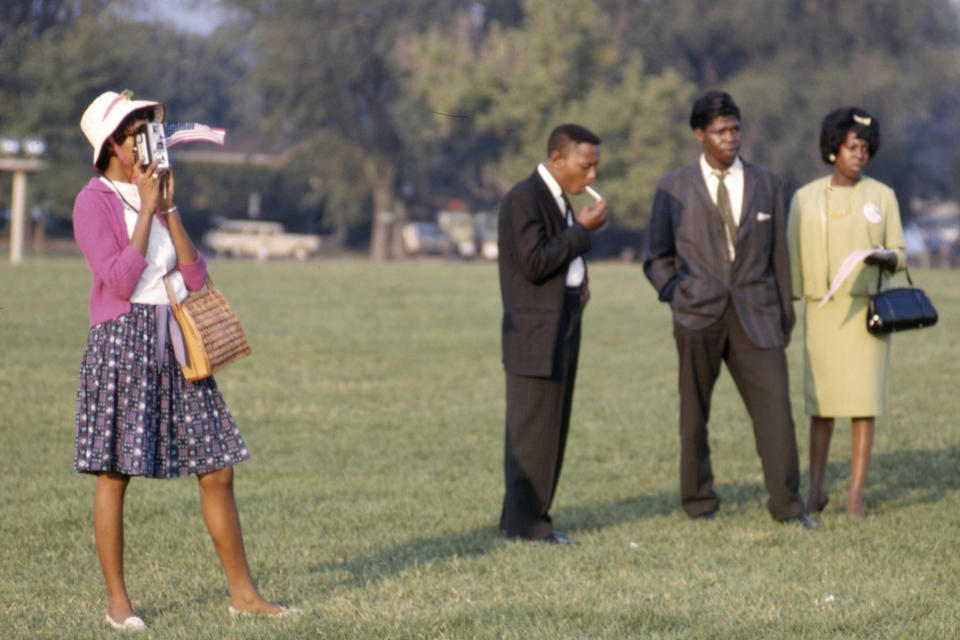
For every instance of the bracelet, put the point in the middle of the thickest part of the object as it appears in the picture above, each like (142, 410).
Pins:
(171, 210)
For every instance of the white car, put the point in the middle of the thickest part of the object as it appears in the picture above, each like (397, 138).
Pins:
(259, 239)
(425, 237)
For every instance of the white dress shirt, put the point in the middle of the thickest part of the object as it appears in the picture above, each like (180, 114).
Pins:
(734, 184)
(577, 269)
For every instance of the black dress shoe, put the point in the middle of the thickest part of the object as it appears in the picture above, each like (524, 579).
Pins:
(556, 538)
(823, 503)
(802, 519)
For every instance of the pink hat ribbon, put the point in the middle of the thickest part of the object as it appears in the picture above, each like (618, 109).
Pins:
(126, 94)
(120, 153)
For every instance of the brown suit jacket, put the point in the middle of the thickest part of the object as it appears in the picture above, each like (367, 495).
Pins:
(688, 262)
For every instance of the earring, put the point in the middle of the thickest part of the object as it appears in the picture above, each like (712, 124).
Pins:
(832, 158)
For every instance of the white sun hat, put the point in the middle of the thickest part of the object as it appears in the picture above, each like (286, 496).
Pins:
(105, 114)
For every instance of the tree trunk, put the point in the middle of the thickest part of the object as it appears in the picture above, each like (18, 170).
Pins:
(381, 175)
(338, 238)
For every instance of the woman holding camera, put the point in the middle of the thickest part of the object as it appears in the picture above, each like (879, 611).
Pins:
(136, 414)
(845, 366)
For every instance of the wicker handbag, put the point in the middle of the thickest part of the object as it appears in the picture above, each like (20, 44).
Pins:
(212, 335)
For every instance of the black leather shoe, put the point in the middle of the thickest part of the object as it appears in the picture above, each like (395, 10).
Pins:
(802, 519)
(556, 538)
(823, 503)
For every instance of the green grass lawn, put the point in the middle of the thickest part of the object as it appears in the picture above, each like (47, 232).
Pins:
(373, 409)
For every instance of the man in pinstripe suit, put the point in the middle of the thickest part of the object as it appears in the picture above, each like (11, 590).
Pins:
(543, 286)
(716, 252)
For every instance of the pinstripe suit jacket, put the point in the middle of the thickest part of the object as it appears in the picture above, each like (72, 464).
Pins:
(688, 262)
(536, 246)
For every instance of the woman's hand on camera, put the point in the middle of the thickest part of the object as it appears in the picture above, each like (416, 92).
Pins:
(166, 192)
(148, 184)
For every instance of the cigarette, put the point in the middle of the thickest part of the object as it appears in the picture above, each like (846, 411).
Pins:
(593, 192)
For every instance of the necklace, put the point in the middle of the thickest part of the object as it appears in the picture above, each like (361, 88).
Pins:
(832, 210)
(116, 190)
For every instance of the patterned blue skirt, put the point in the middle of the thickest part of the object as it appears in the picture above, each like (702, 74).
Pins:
(136, 413)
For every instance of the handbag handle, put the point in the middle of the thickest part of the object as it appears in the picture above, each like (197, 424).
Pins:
(906, 270)
(173, 299)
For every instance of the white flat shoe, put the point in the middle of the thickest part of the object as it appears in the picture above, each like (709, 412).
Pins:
(284, 611)
(133, 623)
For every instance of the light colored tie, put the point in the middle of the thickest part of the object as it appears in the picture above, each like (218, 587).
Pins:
(726, 209)
(577, 269)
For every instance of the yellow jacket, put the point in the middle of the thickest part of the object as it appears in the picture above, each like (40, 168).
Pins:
(818, 242)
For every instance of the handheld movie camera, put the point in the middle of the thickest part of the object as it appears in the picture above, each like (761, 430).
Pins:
(151, 144)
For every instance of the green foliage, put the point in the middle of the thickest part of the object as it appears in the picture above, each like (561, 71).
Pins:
(373, 408)
(59, 71)
(513, 85)
(629, 70)
(790, 62)
(26, 19)
(425, 101)
(49, 80)
(329, 82)
(210, 191)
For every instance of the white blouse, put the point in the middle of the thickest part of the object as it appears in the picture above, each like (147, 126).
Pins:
(161, 254)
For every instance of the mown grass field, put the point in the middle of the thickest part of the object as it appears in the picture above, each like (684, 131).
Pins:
(373, 408)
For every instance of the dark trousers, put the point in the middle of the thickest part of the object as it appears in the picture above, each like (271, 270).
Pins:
(537, 423)
(761, 378)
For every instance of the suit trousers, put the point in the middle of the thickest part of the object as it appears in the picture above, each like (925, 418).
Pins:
(761, 378)
(537, 423)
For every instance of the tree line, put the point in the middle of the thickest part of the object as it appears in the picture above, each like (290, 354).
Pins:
(402, 106)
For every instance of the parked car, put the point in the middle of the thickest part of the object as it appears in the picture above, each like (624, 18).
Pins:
(473, 234)
(426, 237)
(259, 239)
(487, 234)
(461, 229)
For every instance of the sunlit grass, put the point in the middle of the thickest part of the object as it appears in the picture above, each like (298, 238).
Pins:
(373, 408)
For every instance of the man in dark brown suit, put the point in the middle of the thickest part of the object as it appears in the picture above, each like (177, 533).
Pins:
(544, 290)
(716, 252)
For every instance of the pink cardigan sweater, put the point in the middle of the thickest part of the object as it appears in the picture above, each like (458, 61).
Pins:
(101, 233)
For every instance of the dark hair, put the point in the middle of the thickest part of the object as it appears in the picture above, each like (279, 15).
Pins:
(119, 134)
(834, 128)
(711, 105)
(567, 134)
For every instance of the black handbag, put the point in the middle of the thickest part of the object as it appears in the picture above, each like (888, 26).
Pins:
(899, 309)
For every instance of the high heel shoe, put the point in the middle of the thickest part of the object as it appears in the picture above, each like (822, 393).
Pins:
(133, 623)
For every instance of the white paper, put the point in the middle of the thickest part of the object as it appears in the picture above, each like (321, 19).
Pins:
(846, 267)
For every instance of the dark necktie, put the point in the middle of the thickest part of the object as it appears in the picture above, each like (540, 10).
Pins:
(568, 211)
(726, 210)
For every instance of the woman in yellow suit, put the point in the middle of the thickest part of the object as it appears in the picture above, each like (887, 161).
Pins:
(845, 367)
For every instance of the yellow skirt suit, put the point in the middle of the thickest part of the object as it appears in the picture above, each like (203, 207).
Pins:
(845, 367)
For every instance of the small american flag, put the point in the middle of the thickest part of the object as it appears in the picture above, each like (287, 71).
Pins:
(182, 132)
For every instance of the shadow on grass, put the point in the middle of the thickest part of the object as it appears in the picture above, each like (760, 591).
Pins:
(895, 477)
(484, 540)
(900, 478)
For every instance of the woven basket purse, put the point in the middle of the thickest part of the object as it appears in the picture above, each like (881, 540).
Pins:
(212, 335)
